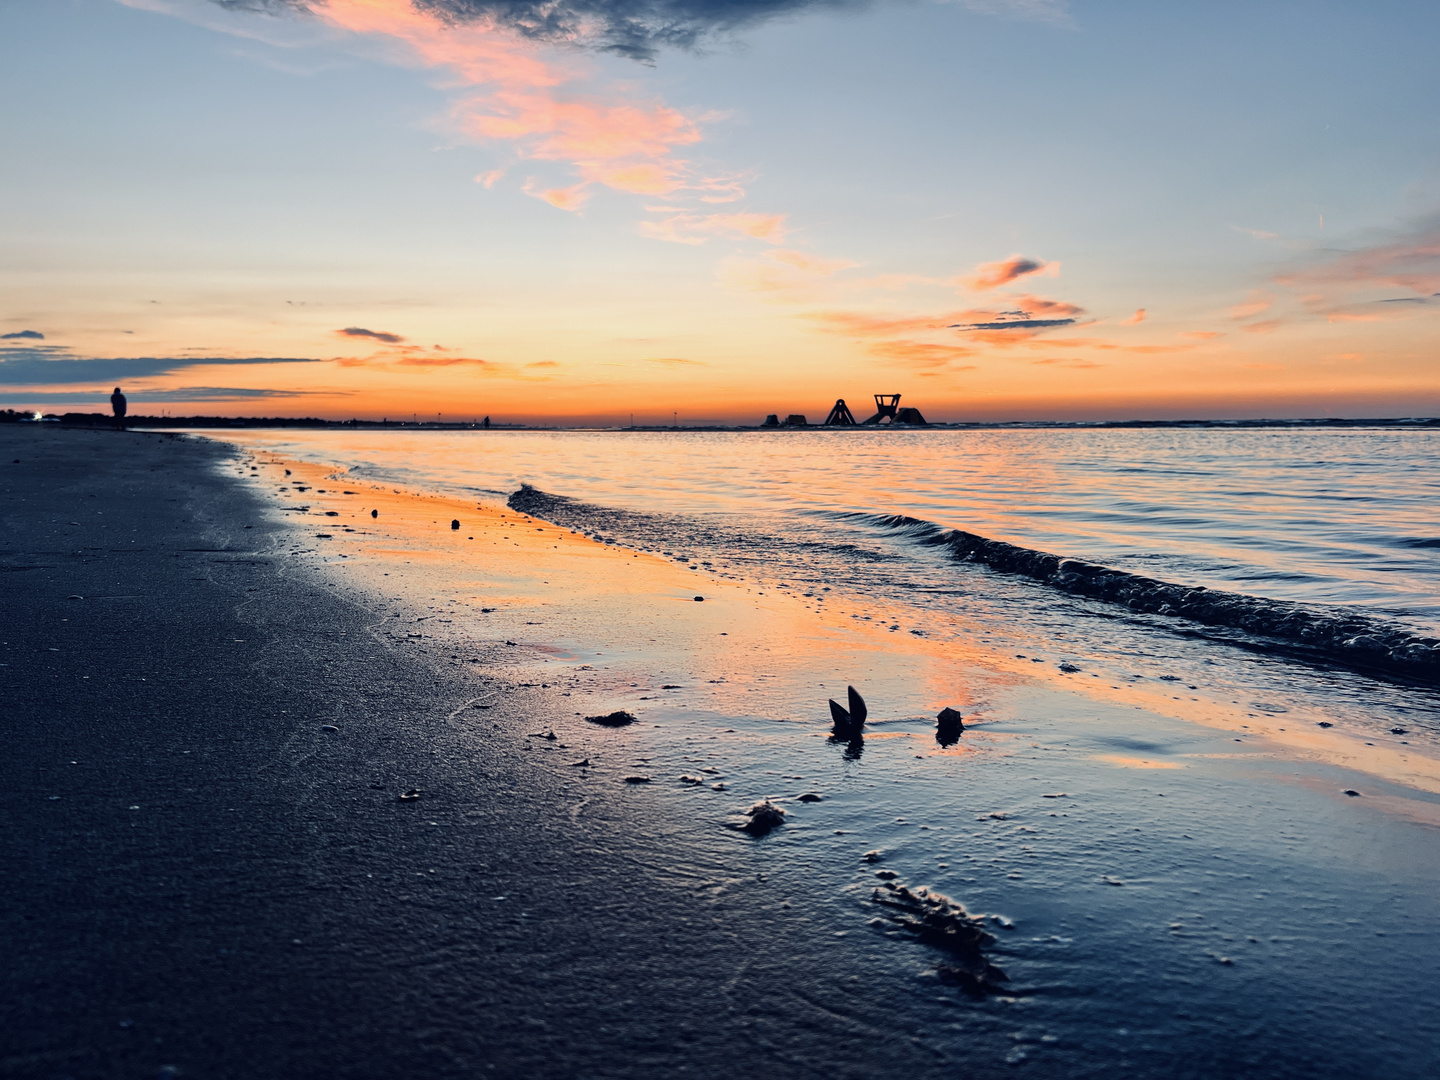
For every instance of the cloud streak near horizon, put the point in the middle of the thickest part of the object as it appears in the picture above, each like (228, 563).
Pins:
(57, 366)
(191, 393)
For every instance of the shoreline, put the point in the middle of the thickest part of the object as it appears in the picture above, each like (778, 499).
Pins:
(649, 935)
(266, 910)
(149, 423)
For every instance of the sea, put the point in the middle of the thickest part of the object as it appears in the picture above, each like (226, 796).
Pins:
(1195, 799)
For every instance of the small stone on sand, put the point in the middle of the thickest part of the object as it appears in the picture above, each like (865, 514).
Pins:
(764, 816)
(618, 718)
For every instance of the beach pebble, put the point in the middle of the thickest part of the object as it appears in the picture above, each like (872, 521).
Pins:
(1352, 793)
(637, 779)
(1399, 731)
(764, 816)
(1068, 667)
(1324, 723)
(886, 875)
(873, 856)
(618, 718)
(699, 599)
(374, 513)
(948, 726)
(810, 796)
(328, 727)
(409, 796)
(692, 779)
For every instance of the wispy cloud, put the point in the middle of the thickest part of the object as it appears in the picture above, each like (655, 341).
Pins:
(1258, 234)
(378, 335)
(140, 397)
(1033, 314)
(23, 335)
(55, 366)
(697, 228)
(1258, 302)
(1406, 259)
(989, 276)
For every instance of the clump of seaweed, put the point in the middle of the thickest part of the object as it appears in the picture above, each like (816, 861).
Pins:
(762, 818)
(939, 921)
(618, 718)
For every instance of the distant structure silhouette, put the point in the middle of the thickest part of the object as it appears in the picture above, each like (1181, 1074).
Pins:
(840, 415)
(887, 407)
(119, 405)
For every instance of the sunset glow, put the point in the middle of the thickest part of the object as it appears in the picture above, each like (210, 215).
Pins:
(382, 208)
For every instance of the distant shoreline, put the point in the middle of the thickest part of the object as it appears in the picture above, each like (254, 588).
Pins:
(94, 420)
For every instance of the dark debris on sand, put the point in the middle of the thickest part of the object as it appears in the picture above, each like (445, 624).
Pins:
(618, 718)
(762, 818)
(943, 923)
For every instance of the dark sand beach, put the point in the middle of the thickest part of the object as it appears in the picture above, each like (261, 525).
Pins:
(206, 880)
(223, 670)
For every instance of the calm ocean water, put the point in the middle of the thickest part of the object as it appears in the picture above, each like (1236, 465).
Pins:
(1216, 851)
(1330, 517)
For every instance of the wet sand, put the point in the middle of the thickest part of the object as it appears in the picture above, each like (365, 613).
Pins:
(1165, 901)
(202, 875)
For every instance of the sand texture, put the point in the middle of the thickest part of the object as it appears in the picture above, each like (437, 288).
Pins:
(301, 779)
(209, 868)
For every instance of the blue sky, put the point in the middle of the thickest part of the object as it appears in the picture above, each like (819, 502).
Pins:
(189, 183)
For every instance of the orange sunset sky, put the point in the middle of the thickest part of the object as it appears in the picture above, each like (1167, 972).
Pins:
(1005, 211)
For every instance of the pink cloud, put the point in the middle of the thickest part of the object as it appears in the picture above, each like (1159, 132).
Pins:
(697, 228)
(571, 198)
(512, 93)
(1134, 320)
(1409, 261)
(1258, 302)
(989, 276)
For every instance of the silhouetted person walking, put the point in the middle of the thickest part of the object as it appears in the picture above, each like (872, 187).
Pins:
(119, 404)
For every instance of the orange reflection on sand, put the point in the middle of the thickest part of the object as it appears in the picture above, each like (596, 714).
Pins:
(754, 651)
(1136, 763)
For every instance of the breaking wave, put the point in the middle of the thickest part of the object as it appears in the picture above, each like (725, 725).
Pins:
(1327, 635)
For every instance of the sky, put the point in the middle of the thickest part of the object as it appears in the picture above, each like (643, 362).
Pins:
(584, 211)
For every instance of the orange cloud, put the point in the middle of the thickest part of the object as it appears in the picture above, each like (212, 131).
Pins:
(989, 276)
(1134, 320)
(1265, 326)
(571, 198)
(1259, 301)
(1410, 261)
(511, 94)
(810, 264)
(697, 228)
